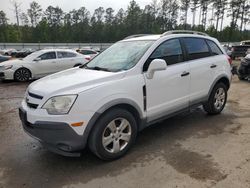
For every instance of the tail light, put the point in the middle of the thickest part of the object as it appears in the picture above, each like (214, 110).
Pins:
(230, 61)
(88, 58)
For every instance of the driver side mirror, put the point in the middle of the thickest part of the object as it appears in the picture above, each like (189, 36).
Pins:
(37, 59)
(156, 65)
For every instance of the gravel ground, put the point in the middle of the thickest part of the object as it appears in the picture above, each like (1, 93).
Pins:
(189, 150)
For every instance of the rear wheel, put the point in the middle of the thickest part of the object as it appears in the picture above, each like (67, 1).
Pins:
(22, 75)
(217, 99)
(241, 77)
(113, 134)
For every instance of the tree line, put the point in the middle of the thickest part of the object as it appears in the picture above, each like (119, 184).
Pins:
(106, 25)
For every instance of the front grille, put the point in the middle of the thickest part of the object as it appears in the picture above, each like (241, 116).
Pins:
(31, 105)
(35, 96)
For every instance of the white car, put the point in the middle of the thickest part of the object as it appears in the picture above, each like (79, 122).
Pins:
(131, 85)
(41, 63)
(89, 52)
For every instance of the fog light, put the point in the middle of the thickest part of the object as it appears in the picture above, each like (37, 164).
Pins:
(64, 147)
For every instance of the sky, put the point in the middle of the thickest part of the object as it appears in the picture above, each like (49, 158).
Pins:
(67, 5)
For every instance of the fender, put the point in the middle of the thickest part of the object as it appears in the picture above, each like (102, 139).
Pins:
(101, 110)
(215, 81)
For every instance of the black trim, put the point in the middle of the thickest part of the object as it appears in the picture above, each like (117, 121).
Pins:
(31, 105)
(185, 74)
(35, 95)
(213, 66)
(58, 137)
(144, 97)
(2, 74)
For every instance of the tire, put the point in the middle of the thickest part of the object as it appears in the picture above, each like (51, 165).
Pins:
(217, 99)
(241, 77)
(22, 75)
(109, 129)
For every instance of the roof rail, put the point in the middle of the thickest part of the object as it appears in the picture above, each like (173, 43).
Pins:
(184, 32)
(135, 36)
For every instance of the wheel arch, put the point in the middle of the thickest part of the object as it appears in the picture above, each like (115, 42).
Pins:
(224, 79)
(126, 104)
(23, 68)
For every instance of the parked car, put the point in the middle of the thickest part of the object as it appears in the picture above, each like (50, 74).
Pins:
(22, 53)
(7, 52)
(244, 68)
(41, 63)
(90, 52)
(4, 58)
(136, 82)
(240, 50)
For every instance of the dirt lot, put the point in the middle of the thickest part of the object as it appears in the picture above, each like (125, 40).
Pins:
(190, 150)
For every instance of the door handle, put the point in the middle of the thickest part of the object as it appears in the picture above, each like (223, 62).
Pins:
(213, 66)
(185, 74)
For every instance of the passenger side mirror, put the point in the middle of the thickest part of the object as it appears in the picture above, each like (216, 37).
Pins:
(156, 65)
(37, 59)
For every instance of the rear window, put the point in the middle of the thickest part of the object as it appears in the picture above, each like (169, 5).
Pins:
(87, 52)
(214, 48)
(65, 54)
(197, 48)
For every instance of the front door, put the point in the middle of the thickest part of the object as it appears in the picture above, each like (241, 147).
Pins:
(46, 65)
(168, 90)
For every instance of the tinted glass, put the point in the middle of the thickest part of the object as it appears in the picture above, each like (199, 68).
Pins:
(196, 48)
(65, 54)
(48, 55)
(87, 52)
(214, 48)
(169, 50)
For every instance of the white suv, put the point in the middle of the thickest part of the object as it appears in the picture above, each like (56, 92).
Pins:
(131, 85)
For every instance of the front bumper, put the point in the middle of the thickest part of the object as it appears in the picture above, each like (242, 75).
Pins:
(7, 75)
(2, 75)
(58, 137)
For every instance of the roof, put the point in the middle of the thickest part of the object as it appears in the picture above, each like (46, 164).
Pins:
(170, 34)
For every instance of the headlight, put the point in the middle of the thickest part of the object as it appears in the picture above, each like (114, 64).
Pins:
(60, 104)
(7, 67)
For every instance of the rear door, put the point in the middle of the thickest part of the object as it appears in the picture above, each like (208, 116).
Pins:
(66, 60)
(201, 65)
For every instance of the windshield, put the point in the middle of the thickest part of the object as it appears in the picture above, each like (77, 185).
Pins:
(120, 56)
(32, 56)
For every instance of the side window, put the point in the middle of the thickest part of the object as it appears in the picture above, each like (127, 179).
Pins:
(197, 48)
(65, 55)
(214, 48)
(48, 55)
(169, 50)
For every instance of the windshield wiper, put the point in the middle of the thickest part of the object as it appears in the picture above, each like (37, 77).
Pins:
(98, 68)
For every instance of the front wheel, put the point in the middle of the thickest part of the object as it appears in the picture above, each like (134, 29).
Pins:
(113, 134)
(22, 75)
(217, 99)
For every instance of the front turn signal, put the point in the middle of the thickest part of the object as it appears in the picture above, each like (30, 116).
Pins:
(78, 124)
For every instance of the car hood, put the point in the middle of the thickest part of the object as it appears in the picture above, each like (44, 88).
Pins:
(11, 62)
(72, 81)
